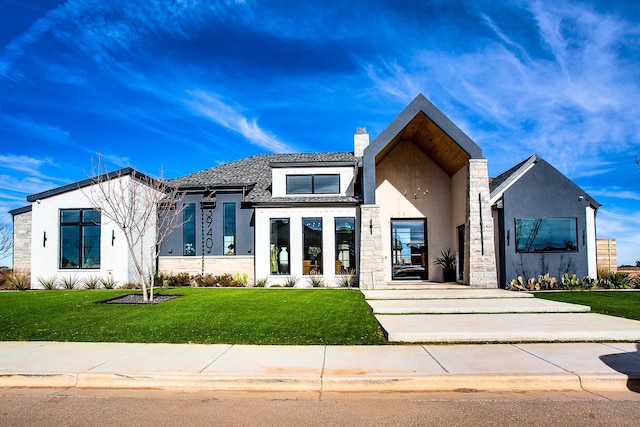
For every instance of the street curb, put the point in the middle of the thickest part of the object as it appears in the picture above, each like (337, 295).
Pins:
(432, 383)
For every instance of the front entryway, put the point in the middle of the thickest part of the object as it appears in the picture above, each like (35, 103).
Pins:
(409, 249)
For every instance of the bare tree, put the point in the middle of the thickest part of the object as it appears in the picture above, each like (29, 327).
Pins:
(145, 209)
(6, 240)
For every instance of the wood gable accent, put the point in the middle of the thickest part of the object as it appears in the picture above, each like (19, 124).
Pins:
(433, 141)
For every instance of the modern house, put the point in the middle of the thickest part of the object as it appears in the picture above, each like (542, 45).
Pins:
(62, 234)
(544, 223)
(384, 211)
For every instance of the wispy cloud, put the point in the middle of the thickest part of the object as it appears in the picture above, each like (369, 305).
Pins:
(40, 129)
(575, 89)
(28, 165)
(625, 227)
(108, 159)
(26, 185)
(103, 30)
(615, 192)
(208, 105)
(392, 79)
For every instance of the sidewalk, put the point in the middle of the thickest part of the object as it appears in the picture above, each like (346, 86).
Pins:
(486, 367)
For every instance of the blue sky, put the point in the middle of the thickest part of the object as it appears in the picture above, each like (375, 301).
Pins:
(181, 86)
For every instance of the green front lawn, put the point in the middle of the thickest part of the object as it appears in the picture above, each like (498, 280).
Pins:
(616, 303)
(232, 316)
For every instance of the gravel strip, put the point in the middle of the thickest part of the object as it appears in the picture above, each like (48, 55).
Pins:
(137, 299)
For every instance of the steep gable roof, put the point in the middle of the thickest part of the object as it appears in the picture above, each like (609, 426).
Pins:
(424, 124)
(502, 182)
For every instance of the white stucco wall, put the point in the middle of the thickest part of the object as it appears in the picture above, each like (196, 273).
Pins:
(295, 215)
(115, 259)
(279, 179)
(590, 237)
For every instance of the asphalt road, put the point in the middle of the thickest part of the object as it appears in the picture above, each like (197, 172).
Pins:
(47, 407)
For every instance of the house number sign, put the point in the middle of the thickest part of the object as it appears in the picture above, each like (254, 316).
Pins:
(208, 230)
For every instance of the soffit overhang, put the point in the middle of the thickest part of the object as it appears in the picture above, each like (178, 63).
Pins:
(432, 140)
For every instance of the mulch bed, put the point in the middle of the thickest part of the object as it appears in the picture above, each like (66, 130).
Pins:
(137, 299)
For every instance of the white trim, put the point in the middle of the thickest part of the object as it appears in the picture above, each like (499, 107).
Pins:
(590, 238)
(510, 182)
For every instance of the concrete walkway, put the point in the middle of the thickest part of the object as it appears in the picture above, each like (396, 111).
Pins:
(488, 367)
(449, 313)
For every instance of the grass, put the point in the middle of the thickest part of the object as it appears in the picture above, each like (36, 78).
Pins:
(615, 303)
(231, 316)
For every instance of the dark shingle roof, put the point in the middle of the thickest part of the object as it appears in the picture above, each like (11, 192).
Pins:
(504, 176)
(254, 173)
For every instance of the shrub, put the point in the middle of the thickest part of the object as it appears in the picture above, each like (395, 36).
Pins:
(241, 278)
(570, 281)
(131, 285)
(262, 283)
(291, 281)
(91, 282)
(19, 280)
(316, 281)
(206, 281)
(108, 282)
(606, 280)
(175, 280)
(589, 282)
(620, 280)
(605, 283)
(69, 282)
(349, 280)
(542, 283)
(228, 281)
(5, 274)
(49, 283)
(603, 273)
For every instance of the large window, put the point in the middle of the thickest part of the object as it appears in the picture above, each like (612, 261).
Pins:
(189, 230)
(409, 248)
(312, 246)
(345, 245)
(79, 238)
(229, 241)
(546, 235)
(279, 245)
(313, 184)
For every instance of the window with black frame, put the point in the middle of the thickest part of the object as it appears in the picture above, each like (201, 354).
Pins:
(79, 239)
(546, 235)
(313, 184)
(345, 245)
(279, 239)
(229, 244)
(189, 230)
(312, 246)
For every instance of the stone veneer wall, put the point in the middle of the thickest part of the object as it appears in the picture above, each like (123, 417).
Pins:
(216, 265)
(480, 259)
(371, 253)
(22, 242)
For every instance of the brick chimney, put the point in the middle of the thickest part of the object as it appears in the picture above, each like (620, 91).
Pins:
(360, 141)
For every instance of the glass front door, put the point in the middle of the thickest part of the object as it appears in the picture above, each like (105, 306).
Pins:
(409, 249)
